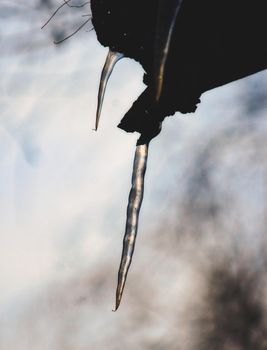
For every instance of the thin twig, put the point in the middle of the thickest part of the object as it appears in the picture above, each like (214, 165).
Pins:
(75, 32)
(76, 6)
(66, 2)
(53, 14)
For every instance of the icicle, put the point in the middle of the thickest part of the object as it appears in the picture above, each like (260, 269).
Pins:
(165, 25)
(111, 60)
(134, 205)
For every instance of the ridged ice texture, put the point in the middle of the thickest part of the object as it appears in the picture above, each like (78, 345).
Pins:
(134, 205)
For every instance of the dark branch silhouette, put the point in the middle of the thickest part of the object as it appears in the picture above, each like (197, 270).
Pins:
(211, 44)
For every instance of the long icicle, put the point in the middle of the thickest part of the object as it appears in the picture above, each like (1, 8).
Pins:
(134, 205)
(112, 58)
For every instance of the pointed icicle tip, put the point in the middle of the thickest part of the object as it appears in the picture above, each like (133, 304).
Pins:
(119, 293)
(112, 58)
(126, 259)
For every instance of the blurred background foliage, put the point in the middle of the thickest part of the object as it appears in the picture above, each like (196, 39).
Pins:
(198, 279)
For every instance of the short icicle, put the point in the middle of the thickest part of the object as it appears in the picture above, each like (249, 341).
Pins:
(112, 58)
(134, 205)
